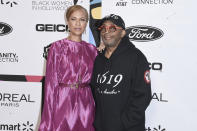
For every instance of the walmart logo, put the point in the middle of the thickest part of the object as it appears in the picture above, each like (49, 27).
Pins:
(27, 126)
(16, 127)
(10, 3)
(159, 128)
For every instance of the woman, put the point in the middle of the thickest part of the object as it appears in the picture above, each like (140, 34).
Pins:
(68, 103)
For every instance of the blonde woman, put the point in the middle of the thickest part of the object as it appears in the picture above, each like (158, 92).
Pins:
(68, 103)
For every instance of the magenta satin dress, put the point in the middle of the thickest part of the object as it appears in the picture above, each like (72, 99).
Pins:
(68, 106)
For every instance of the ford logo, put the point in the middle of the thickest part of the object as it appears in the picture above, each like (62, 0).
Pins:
(142, 33)
(5, 29)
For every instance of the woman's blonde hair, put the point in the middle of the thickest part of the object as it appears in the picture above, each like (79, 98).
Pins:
(72, 9)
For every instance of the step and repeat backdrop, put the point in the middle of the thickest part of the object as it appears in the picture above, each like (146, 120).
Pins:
(164, 30)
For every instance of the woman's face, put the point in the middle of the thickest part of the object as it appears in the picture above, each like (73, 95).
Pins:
(77, 22)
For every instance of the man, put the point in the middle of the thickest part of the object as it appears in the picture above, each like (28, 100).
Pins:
(120, 80)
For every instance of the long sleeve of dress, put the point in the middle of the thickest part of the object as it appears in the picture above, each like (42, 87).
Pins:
(51, 82)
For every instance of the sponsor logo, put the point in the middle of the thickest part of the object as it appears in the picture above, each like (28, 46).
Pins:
(46, 50)
(10, 3)
(156, 66)
(51, 27)
(52, 5)
(27, 126)
(5, 29)
(158, 128)
(142, 33)
(9, 58)
(159, 97)
(152, 2)
(14, 100)
(121, 3)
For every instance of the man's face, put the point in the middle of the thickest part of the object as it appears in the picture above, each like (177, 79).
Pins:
(111, 34)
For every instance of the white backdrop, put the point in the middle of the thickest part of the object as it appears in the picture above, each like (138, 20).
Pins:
(27, 41)
(35, 24)
(172, 56)
(173, 107)
(19, 105)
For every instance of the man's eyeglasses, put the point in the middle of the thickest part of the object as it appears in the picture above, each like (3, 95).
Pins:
(111, 28)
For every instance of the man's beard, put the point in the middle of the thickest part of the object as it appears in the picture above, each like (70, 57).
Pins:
(111, 44)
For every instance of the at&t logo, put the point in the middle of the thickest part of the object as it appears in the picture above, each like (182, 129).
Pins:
(121, 3)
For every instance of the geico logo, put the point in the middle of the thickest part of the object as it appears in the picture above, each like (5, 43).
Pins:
(51, 27)
(15, 97)
(156, 66)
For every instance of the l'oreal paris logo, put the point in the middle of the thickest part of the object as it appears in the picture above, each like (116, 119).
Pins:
(142, 33)
(5, 29)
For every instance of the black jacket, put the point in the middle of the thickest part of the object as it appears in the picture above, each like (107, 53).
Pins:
(121, 89)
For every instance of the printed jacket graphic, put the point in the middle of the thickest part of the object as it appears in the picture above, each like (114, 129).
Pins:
(121, 89)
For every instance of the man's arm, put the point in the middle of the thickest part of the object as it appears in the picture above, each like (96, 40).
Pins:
(140, 95)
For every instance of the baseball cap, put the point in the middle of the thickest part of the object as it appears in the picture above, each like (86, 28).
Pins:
(116, 19)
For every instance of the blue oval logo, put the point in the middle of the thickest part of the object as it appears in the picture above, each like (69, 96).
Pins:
(5, 29)
(142, 33)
